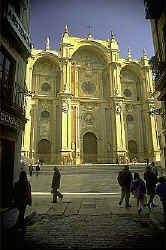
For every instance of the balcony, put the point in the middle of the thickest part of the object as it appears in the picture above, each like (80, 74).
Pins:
(153, 8)
(159, 71)
(12, 99)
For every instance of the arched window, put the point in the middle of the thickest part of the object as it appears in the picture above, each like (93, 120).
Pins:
(45, 114)
(129, 118)
(45, 87)
(44, 147)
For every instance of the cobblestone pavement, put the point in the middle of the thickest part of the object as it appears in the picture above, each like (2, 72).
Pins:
(89, 223)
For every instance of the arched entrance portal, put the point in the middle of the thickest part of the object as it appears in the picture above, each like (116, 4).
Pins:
(132, 148)
(89, 148)
(44, 150)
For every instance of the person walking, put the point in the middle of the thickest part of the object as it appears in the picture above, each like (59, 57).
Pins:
(30, 169)
(22, 197)
(56, 185)
(161, 192)
(151, 181)
(37, 167)
(124, 179)
(138, 188)
(154, 168)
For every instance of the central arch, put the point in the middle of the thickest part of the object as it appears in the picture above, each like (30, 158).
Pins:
(89, 148)
(132, 148)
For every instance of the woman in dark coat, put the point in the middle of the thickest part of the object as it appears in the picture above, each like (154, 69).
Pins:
(151, 181)
(56, 185)
(22, 196)
(138, 188)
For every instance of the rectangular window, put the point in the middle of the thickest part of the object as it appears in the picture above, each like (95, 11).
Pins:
(7, 70)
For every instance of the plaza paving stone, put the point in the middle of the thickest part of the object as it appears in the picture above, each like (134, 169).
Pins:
(91, 223)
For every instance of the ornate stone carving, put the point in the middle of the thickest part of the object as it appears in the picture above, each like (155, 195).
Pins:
(88, 59)
(88, 87)
(65, 105)
(45, 105)
(116, 91)
(151, 108)
(66, 88)
(118, 108)
(88, 118)
(89, 107)
(129, 108)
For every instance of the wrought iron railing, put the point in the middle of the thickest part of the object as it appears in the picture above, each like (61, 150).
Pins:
(158, 69)
(13, 97)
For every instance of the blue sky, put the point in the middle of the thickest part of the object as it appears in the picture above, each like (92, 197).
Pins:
(125, 17)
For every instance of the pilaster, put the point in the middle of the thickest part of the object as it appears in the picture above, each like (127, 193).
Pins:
(120, 130)
(155, 136)
(115, 84)
(148, 84)
(65, 100)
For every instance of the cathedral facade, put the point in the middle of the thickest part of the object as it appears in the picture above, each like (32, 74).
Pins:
(89, 105)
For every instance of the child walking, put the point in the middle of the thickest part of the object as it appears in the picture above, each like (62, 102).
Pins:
(138, 188)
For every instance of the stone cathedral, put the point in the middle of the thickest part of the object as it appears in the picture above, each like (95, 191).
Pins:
(89, 105)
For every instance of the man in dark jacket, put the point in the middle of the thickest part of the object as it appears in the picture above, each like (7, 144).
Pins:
(151, 181)
(124, 180)
(56, 185)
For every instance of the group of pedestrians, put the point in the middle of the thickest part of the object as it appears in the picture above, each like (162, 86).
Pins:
(149, 185)
(141, 188)
(36, 166)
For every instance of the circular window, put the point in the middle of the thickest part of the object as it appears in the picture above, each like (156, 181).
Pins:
(45, 114)
(127, 92)
(45, 87)
(130, 118)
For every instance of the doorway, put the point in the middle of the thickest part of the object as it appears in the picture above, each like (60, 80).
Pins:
(89, 148)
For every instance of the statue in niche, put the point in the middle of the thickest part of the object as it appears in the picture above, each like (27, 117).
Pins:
(118, 107)
(65, 106)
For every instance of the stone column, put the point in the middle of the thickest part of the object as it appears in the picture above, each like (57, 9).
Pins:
(76, 81)
(65, 127)
(154, 138)
(35, 130)
(120, 131)
(148, 85)
(53, 130)
(77, 135)
(140, 135)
